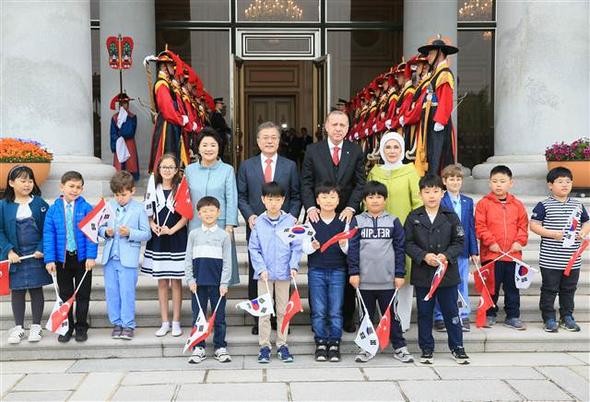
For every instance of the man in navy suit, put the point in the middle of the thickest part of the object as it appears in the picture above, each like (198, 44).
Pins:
(340, 162)
(253, 173)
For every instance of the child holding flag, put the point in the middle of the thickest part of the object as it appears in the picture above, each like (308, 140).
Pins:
(561, 222)
(501, 225)
(69, 252)
(165, 251)
(376, 264)
(274, 263)
(120, 257)
(22, 213)
(434, 240)
(326, 275)
(207, 270)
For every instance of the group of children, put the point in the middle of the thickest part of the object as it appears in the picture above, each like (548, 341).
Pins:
(442, 231)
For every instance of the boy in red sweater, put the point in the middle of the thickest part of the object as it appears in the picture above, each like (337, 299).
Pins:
(501, 225)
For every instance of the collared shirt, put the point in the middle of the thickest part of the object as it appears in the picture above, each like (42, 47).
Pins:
(331, 147)
(211, 229)
(69, 219)
(119, 216)
(456, 202)
(273, 165)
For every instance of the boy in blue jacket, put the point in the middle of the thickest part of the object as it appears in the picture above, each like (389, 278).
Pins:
(452, 177)
(69, 252)
(274, 264)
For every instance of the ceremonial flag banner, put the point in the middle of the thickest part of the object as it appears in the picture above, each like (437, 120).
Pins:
(4, 278)
(366, 338)
(523, 276)
(182, 200)
(100, 214)
(485, 302)
(575, 256)
(51, 325)
(258, 307)
(199, 332)
(287, 235)
(437, 279)
(346, 235)
(293, 307)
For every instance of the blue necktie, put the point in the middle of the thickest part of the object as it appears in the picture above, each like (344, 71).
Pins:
(70, 239)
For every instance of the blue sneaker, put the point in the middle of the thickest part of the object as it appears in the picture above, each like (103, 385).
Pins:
(264, 355)
(550, 325)
(569, 323)
(284, 355)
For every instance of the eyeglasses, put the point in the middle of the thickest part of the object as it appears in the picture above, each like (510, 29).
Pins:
(167, 167)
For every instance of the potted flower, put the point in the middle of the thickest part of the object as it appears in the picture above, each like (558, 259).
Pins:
(18, 151)
(574, 156)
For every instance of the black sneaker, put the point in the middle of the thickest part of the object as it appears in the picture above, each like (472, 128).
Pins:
(334, 352)
(426, 357)
(460, 356)
(81, 335)
(439, 326)
(321, 352)
(66, 337)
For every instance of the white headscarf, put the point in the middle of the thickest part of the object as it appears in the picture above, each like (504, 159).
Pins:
(392, 135)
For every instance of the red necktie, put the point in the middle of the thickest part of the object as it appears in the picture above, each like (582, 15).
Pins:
(335, 156)
(268, 171)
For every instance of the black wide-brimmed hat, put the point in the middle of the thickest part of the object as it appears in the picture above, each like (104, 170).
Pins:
(438, 44)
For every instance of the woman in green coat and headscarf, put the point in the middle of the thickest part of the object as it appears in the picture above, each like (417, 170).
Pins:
(403, 196)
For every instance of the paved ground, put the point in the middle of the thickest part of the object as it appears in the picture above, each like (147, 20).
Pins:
(491, 376)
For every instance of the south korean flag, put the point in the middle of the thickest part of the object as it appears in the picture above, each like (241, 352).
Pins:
(297, 232)
(366, 338)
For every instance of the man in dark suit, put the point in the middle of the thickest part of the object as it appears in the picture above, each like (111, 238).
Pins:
(340, 162)
(218, 123)
(253, 173)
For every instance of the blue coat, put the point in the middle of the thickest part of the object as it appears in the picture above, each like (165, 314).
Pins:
(467, 221)
(8, 239)
(54, 232)
(218, 181)
(251, 179)
(136, 220)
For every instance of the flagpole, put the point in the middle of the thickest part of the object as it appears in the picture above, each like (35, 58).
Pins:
(166, 218)
(26, 257)
(485, 285)
(217, 305)
(268, 291)
(198, 302)
(81, 281)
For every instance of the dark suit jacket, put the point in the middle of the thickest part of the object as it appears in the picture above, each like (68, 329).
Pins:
(251, 179)
(467, 221)
(349, 176)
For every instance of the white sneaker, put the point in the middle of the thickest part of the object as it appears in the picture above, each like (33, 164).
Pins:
(176, 330)
(35, 333)
(403, 355)
(164, 329)
(198, 355)
(16, 335)
(222, 356)
(363, 357)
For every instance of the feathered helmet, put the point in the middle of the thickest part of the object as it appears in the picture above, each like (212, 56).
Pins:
(120, 98)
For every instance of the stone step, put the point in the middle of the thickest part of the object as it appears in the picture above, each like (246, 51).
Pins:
(148, 312)
(241, 342)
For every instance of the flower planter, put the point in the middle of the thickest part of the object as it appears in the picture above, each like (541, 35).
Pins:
(40, 170)
(580, 171)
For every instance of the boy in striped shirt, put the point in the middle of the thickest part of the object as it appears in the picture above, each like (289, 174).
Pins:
(561, 222)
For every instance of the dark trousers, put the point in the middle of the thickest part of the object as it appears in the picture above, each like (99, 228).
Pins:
(69, 275)
(252, 283)
(383, 297)
(439, 147)
(447, 300)
(210, 294)
(504, 277)
(555, 282)
(349, 304)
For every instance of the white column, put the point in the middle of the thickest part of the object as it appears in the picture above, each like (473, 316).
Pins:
(135, 19)
(542, 86)
(46, 85)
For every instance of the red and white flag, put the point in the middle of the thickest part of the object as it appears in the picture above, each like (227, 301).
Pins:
(293, 307)
(4, 278)
(182, 200)
(437, 279)
(258, 307)
(199, 333)
(346, 235)
(384, 328)
(58, 320)
(100, 214)
(485, 303)
(575, 256)
(569, 234)
(486, 277)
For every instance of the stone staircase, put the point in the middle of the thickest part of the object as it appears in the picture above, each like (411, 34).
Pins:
(241, 342)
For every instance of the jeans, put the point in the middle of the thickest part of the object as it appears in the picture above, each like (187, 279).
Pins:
(463, 289)
(504, 275)
(554, 283)
(383, 297)
(447, 299)
(119, 286)
(210, 294)
(326, 291)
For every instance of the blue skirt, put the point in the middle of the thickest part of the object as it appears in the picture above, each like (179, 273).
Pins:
(30, 273)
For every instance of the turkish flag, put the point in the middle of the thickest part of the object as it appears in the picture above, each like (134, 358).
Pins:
(293, 307)
(59, 315)
(437, 279)
(574, 257)
(346, 235)
(4, 278)
(485, 302)
(486, 279)
(384, 328)
(182, 200)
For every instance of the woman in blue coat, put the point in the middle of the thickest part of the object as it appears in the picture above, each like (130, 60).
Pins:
(22, 213)
(210, 176)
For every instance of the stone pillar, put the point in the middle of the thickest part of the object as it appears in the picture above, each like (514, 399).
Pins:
(46, 83)
(536, 101)
(136, 19)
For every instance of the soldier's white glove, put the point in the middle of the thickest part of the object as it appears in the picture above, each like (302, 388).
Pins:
(184, 120)
(195, 126)
(401, 121)
(388, 123)
(374, 128)
(438, 127)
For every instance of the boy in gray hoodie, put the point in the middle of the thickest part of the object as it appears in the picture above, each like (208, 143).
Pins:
(376, 262)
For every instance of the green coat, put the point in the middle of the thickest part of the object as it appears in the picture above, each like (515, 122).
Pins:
(403, 193)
